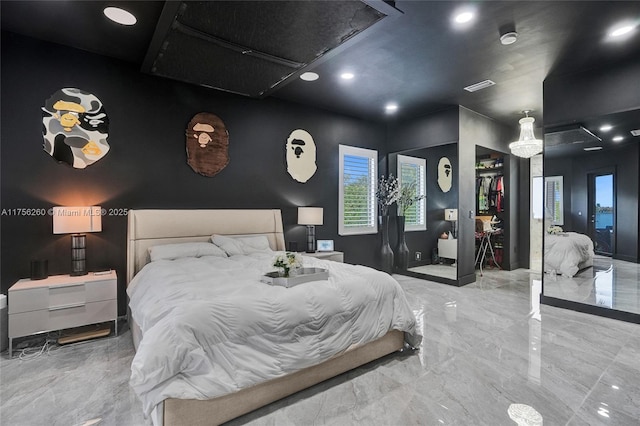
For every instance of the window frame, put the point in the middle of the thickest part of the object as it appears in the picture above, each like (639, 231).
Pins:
(372, 157)
(421, 163)
(550, 204)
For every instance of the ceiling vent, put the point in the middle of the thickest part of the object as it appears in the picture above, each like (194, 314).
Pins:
(479, 86)
(635, 132)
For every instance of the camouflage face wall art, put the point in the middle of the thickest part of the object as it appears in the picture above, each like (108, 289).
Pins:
(207, 144)
(75, 128)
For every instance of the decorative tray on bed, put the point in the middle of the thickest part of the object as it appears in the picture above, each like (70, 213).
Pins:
(302, 275)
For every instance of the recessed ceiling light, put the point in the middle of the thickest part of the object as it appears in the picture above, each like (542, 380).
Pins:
(391, 108)
(347, 75)
(621, 31)
(120, 16)
(463, 17)
(606, 127)
(617, 138)
(593, 148)
(309, 76)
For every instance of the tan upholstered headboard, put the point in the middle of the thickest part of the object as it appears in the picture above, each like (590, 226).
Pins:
(147, 228)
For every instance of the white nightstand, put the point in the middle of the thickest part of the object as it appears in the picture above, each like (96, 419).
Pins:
(60, 302)
(336, 256)
(448, 248)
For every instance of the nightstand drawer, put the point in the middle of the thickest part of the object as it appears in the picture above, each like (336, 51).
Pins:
(61, 317)
(33, 299)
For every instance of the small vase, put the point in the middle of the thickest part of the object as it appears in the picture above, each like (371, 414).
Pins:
(386, 254)
(402, 251)
(283, 272)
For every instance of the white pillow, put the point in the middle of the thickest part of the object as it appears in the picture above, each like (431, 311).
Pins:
(242, 245)
(180, 250)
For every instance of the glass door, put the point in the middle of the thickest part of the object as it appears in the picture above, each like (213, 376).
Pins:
(602, 214)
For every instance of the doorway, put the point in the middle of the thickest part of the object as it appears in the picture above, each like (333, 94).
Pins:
(602, 213)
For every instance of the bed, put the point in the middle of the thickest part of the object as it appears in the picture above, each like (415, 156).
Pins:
(174, 395)
(567, 253)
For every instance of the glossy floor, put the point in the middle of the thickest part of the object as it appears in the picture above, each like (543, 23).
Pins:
(610, 283)
(490, 354)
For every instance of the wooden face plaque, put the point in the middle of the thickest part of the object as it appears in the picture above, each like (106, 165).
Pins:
(207, 144)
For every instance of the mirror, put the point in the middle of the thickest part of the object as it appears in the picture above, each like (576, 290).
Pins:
(591, 205)
(425, 221)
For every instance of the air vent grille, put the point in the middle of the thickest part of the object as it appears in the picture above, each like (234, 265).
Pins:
(479, 86)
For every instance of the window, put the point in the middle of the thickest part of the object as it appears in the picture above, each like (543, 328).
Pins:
(357, 201)
(553, 203)
(412, 171)
(536, 197)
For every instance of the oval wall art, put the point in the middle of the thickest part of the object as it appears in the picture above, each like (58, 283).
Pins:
(75, 127)
(301, 155)
(445, 174)
(207, 144)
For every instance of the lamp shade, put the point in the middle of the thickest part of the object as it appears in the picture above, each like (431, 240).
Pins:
(70, 220)
(451, 214)
(310, 216)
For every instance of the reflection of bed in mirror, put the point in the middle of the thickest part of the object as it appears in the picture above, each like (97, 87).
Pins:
(567, 253)
(612, 282)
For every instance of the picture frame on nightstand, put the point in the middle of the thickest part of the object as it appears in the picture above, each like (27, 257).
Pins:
(325, 245)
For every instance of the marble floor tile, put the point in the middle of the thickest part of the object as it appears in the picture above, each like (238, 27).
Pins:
(486, 346)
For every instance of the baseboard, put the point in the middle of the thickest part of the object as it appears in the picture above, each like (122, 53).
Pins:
(590, 309)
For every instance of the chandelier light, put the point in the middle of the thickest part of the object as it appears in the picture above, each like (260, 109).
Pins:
(527, 146)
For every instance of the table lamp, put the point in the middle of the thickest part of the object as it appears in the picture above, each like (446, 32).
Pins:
(77, 221)
(451, 215)
(310, 216)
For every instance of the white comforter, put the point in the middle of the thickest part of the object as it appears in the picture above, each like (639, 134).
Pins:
(211, 328)
(566, 253)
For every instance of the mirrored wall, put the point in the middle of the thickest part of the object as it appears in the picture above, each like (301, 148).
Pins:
(591, 188)
(430, 224)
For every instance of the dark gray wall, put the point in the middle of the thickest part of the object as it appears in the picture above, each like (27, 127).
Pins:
(570, 99)
(146, 167)
(434, 135)
(575, 172)
(436, 201)
(478, 130)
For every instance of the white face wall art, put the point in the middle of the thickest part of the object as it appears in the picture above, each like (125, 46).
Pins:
(301, 155)
(75, 128)
(445, 174)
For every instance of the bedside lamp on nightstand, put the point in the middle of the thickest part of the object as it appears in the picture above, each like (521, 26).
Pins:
(76, 221)
(310, 216)
(451, 215)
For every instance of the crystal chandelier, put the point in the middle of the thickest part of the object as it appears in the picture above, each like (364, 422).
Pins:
(527, 146)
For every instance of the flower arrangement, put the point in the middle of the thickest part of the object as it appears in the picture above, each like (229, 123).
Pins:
(554, 230)
(387, 193)
(408, 197)
(287, 261)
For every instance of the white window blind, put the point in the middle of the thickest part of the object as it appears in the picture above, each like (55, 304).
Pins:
(554, 202)
(412, 172)
(357, 201)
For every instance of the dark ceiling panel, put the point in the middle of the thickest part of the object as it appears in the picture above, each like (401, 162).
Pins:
(299, 31)
(81, 24)
(208, 64)
(252, 46)
(571, 140)
(414, 56)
